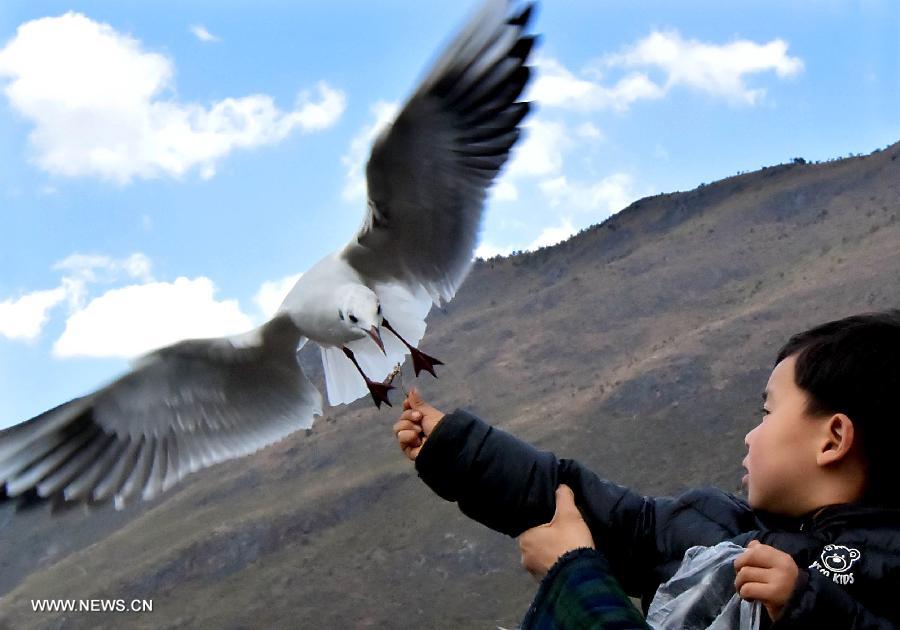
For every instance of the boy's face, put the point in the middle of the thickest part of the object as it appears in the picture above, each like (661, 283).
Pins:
(781, 458)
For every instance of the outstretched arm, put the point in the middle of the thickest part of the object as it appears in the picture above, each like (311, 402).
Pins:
(510, 486)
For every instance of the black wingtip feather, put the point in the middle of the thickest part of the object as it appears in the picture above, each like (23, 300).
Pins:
(523, 18)
(489, 163)
(29, 500)
(498, 99)
(523, 47)
(498, 145)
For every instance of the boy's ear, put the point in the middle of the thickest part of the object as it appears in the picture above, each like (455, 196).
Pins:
(838, 436)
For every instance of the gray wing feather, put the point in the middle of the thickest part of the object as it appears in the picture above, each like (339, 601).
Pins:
(63, 474)
(428, 173)
(109, 484)
(76, 483)
(182, 408)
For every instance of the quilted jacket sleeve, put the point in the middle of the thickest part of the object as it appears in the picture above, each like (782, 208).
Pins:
(509, 486)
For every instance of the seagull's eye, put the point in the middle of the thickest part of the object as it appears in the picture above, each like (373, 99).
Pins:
(379, 309)
(353, 319)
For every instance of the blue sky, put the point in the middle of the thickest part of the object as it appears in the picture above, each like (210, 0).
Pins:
(167, 168)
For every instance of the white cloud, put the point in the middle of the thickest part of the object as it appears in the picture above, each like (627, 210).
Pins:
(203, 35)
(313, 115)
(553, 235)
(579, 204)
(23, 319)
(556, 86)
(99, 268)
(598, 200)
(83, 269)
(357, 153)
(102, 106)
(541, 153)
(504, 190)
(488, 250)
(589, 131)
(272, 293)
(129, 320)
(717, 69)
(132, 320)
(720, 70)
(541, 157)
(547, 237)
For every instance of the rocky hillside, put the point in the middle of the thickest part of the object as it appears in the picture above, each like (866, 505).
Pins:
(639, 346)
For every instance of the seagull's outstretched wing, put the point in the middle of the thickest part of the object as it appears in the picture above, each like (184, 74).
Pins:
(183, 408)
(429, 171)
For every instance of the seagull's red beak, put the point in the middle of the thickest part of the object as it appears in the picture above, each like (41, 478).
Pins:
(375, 334)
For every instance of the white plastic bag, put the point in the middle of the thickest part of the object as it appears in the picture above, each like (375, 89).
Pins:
(701, 595)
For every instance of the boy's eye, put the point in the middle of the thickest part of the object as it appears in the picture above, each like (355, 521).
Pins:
(765, 411)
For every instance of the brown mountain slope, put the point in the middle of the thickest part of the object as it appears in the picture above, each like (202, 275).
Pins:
(639, 347)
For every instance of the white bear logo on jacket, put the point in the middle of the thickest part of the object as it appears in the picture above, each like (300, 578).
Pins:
(835, 562)
(838, 558)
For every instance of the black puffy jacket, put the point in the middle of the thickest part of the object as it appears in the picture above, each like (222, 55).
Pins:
(849, 555)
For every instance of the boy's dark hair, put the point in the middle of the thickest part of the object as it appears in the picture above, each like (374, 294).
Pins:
(852, 366)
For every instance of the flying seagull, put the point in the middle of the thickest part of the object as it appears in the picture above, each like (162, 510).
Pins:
(201, 401)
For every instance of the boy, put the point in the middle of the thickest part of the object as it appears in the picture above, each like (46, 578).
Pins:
(821, 523)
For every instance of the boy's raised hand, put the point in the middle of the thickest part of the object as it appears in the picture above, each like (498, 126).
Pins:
(767, 575)
(416, 423)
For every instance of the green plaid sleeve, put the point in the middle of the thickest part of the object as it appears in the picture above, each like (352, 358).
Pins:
(579, 592)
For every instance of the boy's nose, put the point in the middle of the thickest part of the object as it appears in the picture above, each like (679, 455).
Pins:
(747, 437)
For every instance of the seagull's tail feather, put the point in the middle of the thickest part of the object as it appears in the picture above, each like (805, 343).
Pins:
(406, 310)
(343, 383)
(182, 408)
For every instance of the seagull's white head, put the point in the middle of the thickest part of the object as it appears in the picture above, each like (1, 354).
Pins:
(359, 313)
